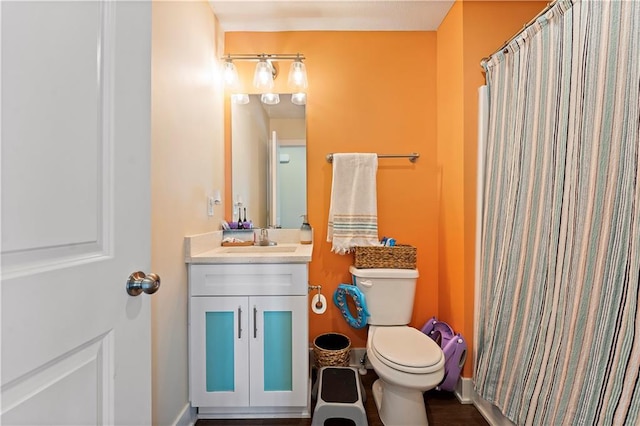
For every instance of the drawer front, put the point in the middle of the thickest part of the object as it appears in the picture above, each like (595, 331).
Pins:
(266, 279)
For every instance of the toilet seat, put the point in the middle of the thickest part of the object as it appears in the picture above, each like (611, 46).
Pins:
(406, 349)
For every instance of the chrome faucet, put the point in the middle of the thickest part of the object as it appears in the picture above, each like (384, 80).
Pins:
(264, 238)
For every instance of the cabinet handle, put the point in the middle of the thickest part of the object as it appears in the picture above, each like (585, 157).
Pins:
(255, 324)
(239, 321)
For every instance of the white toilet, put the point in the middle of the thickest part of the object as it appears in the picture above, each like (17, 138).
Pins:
(407, 361)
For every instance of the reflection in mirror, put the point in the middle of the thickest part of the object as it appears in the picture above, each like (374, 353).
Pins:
(269, 162)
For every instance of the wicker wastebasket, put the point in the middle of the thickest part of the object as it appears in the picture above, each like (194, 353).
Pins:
(331, 349)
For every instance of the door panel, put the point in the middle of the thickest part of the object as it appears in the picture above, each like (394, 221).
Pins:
(75, 212)
(219, 355)
(62, 210)
(79, 379)
(278, 351)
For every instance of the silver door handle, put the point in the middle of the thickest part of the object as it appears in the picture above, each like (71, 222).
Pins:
(255, 324)
(139, 282)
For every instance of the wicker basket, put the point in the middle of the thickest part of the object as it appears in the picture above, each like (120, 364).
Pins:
(397, 257)
(331, 349)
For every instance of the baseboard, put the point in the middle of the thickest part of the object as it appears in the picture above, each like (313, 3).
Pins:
(466, 394)
(187, 416)
(355, 358)
(464, 390)
(490, 412)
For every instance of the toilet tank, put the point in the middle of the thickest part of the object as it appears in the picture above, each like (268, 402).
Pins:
(388, 293)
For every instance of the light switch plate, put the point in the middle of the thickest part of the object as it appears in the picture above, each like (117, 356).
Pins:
(210, 204)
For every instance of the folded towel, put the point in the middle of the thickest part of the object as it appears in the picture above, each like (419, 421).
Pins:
(353, 214)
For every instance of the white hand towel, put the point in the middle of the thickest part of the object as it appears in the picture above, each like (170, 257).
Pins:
(353, 214)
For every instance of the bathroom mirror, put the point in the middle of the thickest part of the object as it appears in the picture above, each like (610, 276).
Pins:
(269, 162)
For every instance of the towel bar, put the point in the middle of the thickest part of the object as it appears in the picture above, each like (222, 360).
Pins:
(412, 157)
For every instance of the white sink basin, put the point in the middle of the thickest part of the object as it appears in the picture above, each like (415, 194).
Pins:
(259, 249)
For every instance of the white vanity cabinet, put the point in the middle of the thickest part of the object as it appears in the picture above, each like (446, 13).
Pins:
(248, 340)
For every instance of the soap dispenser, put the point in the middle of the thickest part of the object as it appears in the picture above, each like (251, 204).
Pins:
(306, 233)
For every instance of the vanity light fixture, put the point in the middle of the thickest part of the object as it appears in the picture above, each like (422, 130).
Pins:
(264, 75)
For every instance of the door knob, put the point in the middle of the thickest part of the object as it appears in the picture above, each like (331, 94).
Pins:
(139, 282)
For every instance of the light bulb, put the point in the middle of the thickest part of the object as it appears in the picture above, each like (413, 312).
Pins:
(230, 74)
(299, 98)
(240, 98)
(263, 76)
(298, 76)
(270, 98)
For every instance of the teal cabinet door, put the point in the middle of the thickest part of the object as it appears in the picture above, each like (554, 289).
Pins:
(219, 336)
(279, 351)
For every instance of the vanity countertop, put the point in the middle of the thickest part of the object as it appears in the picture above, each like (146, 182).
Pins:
(207, 249)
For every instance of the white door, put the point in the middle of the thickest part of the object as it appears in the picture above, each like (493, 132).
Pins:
(292, 184)
(75, 212)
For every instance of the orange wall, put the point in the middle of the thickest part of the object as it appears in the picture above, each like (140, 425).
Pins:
(450, 170)
(377, 92)
(471, 31)
(368, 92)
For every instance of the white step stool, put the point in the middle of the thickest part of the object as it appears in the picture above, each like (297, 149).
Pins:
(340, 395)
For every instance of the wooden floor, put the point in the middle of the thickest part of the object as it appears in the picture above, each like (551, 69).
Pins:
(443, 408)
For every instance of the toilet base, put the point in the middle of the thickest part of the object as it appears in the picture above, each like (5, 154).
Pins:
(399, 406)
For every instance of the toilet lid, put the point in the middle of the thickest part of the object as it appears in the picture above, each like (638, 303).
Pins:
(407, 349)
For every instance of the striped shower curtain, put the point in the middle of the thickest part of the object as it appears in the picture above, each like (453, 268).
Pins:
(558, 327)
